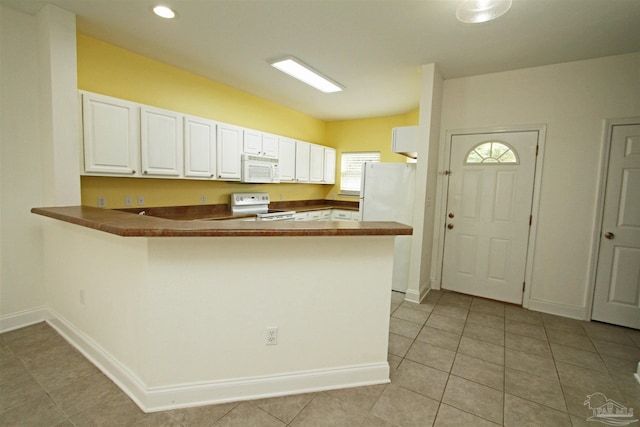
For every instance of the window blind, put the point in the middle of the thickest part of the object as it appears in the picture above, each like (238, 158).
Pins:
(351, 170)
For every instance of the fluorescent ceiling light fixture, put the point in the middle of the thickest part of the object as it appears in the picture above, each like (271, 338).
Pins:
(296, 68)
(477, 11)
(164, 12)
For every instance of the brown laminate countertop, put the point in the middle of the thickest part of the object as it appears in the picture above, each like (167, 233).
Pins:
(130, 224)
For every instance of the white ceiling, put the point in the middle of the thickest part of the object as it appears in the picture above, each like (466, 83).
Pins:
(374, 48)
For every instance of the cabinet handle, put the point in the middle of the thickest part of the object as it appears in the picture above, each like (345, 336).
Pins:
(133, 172)
(144, 172)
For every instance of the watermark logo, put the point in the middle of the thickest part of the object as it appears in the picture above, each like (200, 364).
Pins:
(608, 411)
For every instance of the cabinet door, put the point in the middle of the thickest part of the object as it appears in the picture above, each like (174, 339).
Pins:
(302, 161)
(252, 143)
(199, 148)
(229, 146)
(329, 165)
(111, 135)
(161, 142)
(270, 145)
(316, 163)
(287, 159)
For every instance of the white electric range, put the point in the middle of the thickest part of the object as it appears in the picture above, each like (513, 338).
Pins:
(258, 204)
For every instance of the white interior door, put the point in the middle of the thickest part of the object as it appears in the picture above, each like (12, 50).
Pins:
(489, 200)
(617, 291)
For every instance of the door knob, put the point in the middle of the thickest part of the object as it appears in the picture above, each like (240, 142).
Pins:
(451, 215)
(449, 226)
(609, 235)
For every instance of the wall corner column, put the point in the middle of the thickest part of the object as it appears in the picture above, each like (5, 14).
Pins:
(426, 179)
(58, 115)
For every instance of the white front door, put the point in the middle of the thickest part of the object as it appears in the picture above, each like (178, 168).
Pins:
(489, 198)
(617, 291)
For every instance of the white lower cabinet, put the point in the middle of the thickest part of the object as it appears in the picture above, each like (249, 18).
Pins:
(161, 142)
(199, 148)
(344, 215)
(314, 216)
(328, 215)
(111, 135)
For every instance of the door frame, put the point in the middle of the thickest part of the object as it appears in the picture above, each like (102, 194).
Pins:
(603, 171)
(442, 191)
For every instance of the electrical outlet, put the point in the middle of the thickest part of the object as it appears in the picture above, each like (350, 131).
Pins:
(102, 202)
(140, 200)
(203, 199)
(272, 335)
(127, 201)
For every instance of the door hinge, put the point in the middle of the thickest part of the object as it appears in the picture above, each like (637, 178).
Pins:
(537, 147)
(523, 283)
(530, 220)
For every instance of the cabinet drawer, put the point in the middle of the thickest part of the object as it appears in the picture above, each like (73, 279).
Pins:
(339, 215)
(314, 216)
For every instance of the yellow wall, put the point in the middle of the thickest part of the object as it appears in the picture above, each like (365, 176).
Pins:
(113, 71)
(372, 134)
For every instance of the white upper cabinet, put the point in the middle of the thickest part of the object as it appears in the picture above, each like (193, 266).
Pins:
(229, 150)
(329, 165)
(252, 143)
(260, 144)
(199, 148)
(111, 135)
(161, 142)
(316, 163)
(270, 145)
(123, 138)
(302, 161)
(287, 159)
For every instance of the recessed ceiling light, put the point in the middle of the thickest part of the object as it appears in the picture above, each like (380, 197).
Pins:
(296, 68)
(477, 11)
(164, 12)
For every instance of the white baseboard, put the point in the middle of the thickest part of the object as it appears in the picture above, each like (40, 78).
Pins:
(417, 296)
(23, 319)
(196, 394)
(570, 311)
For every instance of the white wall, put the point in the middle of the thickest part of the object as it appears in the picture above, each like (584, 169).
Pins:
(426, 177)
(572, 99)
(21, 286)
(39, 159)
(182, 321)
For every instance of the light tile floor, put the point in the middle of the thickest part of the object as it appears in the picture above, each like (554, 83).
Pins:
(456, 361)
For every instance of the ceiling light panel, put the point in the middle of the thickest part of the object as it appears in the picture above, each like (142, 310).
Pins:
(297, 69)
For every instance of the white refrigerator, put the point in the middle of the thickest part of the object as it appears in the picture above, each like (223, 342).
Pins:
(387, 195)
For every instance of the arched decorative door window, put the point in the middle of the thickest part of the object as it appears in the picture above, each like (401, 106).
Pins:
(492, 152)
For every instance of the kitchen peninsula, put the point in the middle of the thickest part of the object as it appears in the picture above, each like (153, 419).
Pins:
(176, 311)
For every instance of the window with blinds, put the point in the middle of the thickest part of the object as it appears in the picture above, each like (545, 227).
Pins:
(351, 170)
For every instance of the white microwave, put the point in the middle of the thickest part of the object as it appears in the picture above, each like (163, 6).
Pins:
(257, 169)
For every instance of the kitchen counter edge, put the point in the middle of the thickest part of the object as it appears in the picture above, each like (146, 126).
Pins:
(131, 225)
